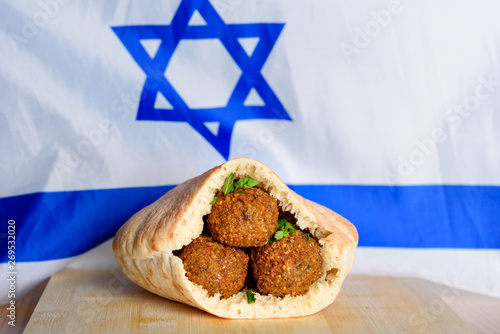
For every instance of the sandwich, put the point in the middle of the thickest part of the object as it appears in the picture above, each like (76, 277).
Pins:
(237, 242)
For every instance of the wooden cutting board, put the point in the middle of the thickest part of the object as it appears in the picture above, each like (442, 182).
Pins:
(95, 301)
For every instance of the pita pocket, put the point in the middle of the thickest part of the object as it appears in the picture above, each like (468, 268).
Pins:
(145, 245)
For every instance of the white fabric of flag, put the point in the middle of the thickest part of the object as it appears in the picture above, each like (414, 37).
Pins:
(384, 111)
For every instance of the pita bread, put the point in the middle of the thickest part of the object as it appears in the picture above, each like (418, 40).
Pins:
(144, 245)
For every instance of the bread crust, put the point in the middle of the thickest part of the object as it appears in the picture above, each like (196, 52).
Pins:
(144, 245)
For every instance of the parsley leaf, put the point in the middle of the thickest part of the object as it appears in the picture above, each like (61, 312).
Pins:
(307, 236)
(280, 234)
(247, 182)
(289, 228)
(285, 228)
(281, 223)
(250, 297)
(214, 200)
(229, 184)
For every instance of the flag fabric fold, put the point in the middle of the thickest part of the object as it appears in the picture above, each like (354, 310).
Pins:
(386, 112)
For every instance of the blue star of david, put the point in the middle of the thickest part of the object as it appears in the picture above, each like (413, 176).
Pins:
(228, 34)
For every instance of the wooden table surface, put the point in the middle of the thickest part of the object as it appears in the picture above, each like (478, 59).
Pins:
(427, 307)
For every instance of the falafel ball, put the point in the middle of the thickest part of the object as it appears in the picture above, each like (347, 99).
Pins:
(245, 218)
(287, 267)
(217, 268)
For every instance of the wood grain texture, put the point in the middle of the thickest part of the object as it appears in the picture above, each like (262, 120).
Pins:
(24, 309)
(481, 312)
(88, 301)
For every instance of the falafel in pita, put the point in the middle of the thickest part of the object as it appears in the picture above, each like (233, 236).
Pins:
(147, 246)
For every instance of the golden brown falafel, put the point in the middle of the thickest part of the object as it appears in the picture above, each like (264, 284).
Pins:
(245, 218)
(287, 267)
(217, 268)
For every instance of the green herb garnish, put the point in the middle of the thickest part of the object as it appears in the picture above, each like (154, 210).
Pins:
(281, 223)
(214, 200)
(247, 182)
(280, 234)
(250, 297)
(307, 236)
(230, 186)
(284, 229)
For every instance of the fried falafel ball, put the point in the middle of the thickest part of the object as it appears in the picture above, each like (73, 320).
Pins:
(287, 267)
(217, 268)
(245, 218)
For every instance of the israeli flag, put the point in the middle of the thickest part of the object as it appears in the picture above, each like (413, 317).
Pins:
(386, 111)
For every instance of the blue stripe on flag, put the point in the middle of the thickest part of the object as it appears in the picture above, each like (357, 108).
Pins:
(441, 216)
(56, 225)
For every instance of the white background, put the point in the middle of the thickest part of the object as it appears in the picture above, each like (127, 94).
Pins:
(354, 118)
